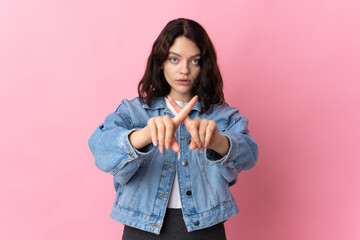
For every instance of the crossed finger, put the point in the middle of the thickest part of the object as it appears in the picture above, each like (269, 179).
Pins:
(201, 130)
(162, 128)
(183, 112)
(187, 120)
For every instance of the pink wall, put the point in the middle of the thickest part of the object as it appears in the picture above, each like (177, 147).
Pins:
(291, 67)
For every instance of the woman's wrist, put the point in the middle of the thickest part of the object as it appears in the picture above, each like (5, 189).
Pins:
(221, 146)
(140, 138)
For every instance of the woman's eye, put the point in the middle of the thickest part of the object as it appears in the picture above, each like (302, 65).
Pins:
(195, 61)
(173, 60)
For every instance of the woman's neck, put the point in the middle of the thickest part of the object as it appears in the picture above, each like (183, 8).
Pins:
(181, 98)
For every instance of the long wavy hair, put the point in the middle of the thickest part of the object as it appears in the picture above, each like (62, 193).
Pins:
(208, 86)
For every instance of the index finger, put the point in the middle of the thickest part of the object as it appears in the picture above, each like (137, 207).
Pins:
(177, 108)
(174, 104)
(185, 111)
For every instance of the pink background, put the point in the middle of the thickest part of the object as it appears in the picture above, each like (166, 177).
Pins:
(291, 67)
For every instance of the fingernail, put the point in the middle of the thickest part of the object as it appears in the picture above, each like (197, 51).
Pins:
(161, 149)
(167, 145)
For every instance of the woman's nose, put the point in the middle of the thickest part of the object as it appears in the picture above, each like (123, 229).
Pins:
(184, 68)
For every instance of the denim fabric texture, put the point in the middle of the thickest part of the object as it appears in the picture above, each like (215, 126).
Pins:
(143, 178)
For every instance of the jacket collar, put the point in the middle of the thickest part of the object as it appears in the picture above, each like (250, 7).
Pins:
(160, 103)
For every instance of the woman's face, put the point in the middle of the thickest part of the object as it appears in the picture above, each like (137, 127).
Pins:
(182, 68)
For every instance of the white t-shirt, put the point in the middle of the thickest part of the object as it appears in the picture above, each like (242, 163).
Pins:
(175, 201)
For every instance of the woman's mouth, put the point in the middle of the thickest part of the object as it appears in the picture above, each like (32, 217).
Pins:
(183, 81)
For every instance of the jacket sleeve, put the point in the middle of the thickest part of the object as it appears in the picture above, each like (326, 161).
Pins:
(111, 148)
(242, 153)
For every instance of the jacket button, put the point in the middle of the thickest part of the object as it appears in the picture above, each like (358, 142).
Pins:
(188, 141)
(184, 162)
(188, 192)
(196, 222)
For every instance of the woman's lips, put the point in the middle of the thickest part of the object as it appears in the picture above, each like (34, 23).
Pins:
(183, 81)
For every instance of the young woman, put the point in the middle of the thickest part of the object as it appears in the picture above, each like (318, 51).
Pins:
(175, 150)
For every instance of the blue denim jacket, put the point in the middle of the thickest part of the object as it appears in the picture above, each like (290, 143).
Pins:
(143, 178)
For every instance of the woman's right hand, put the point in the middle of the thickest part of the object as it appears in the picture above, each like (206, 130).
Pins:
(161, 130)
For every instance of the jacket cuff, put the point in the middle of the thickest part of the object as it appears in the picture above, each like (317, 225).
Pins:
(216, 158)
(133, 155)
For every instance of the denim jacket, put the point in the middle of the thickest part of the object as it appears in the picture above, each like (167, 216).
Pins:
(143, 178)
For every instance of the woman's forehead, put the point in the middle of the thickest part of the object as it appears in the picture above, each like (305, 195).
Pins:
(184, 47)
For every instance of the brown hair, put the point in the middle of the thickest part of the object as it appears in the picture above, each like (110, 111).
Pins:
(209, 84)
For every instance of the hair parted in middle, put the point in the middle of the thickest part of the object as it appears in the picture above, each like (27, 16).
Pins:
(208, 86)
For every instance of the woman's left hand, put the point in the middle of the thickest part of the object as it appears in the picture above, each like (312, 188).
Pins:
(204, 133)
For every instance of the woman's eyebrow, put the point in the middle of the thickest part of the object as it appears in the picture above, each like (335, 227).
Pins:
(180, 55)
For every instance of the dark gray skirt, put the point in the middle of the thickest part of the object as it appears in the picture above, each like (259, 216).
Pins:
(174, 228)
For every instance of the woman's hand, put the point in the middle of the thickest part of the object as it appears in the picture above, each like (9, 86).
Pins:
(161, 130)
(204, 133)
